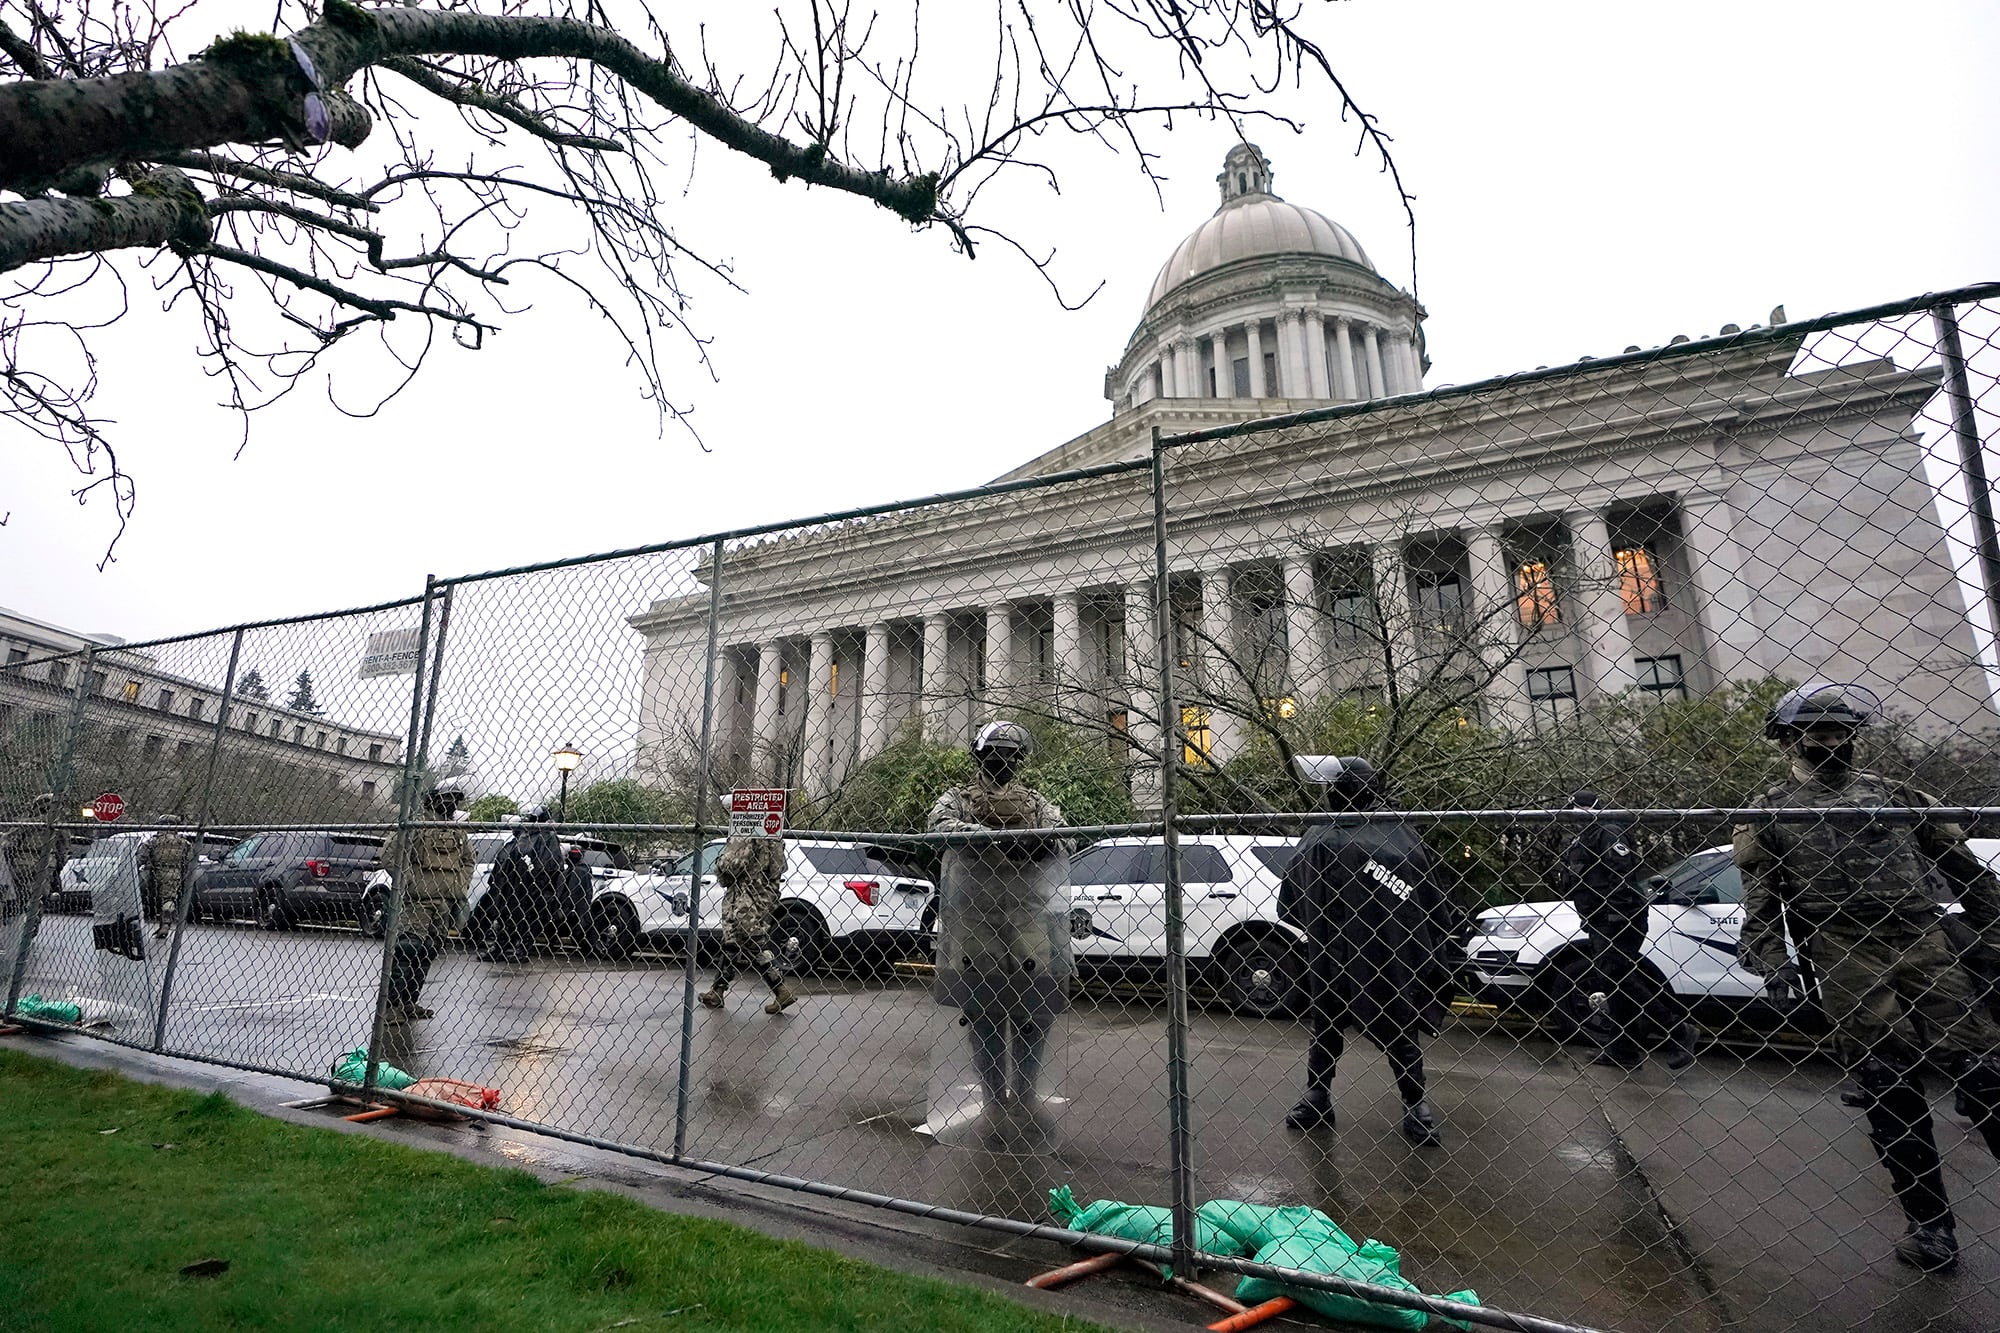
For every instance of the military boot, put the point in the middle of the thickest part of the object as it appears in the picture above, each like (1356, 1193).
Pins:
(712, 997)
(1420, 1125)
(1899, 1126)
(1313, 1110)
(781, 1000)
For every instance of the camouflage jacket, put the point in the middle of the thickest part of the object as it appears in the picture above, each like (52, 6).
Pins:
(29, 861)
(1864, 874)
(168, 856)
(440, 863)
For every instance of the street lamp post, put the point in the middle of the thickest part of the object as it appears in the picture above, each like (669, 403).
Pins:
(566, 759)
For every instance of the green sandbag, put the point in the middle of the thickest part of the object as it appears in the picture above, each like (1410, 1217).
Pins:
(353, 1068)
(1253, 1225)
(1131, 1221)
(1373, 1262)
(53, 1011)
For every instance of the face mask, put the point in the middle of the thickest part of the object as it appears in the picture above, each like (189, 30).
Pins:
(999, 767)
(1832, 763)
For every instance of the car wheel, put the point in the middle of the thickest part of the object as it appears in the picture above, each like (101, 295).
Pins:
(614, 929)
(1260, 976)
(270, 909)
(800, 941)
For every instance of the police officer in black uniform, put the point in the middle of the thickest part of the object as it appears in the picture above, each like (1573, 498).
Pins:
(1369, 901)
(1600, 869)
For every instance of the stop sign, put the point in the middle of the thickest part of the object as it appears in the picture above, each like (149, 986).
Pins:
(772, 824)
(108, 806)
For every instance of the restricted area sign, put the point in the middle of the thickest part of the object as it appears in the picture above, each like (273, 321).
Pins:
(757, 812)
(107, 807)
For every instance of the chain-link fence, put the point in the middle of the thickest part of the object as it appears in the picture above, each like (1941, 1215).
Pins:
(1654, 967)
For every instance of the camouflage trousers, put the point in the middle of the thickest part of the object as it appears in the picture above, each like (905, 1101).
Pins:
(747, 913)
(1898, 995)
(420, 937)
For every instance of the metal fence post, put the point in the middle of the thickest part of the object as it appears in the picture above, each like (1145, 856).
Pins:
(1180, 1129)
(692, 947)
(1971, 458)
(399, 868)
(59, 781)
(202, 812)
(437, 674)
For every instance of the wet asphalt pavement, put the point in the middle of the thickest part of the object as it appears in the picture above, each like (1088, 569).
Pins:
(1737, 1194)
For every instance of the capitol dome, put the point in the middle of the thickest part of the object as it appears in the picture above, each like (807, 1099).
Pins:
(1252, 226)
(1269, 300)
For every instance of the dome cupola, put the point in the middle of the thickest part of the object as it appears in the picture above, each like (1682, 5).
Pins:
(1269, 299)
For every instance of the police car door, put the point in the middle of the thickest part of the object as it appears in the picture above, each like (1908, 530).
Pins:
(1694, 929)
(1106, 883)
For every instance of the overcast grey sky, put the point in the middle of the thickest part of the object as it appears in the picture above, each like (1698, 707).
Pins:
(1588, 177)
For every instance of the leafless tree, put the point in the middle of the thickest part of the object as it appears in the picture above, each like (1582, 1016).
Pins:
(384, 175)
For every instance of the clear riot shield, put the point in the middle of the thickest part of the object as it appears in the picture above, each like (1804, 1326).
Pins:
(1004, 962)
(128, 972)
(13, 920)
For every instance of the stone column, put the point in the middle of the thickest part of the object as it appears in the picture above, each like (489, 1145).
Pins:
(1496, 619)
(1343, 360)
(1371, 355)
(816, 693)
(1291, 360)
(937, 654)
(1074, 684)
(767, 738)
(999, 649)
(1308, 655)
(1142, 676)
(1186, 372)
(1218, 678)
(1314, 334)
(1414, 362)
(1604, 642)
(875, 691)
(1725, 601)
(1392, 361)
(1253, 336)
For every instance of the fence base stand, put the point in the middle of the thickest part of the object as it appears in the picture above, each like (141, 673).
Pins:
(375, 1111)
(11, 1029)
(1255, 1315)
(1101, 1263)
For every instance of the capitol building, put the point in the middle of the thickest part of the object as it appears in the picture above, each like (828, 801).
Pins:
(1509, 553)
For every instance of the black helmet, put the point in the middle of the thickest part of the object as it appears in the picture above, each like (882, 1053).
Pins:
(1820, 702)
(1352, 783)
(1004, 737)
(535, 814)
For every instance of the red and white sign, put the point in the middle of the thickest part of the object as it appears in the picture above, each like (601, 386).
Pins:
(757, 812)
(107, 807)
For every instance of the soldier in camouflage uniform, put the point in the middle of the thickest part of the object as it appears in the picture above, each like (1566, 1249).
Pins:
(1004, 954)
(1852, 893)
(32, 864)
(432, 883)
(751, 872)
(168, 856)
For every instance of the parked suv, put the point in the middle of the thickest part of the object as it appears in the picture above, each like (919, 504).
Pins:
(840, 901)
(280, 879)
(74, 895)
(1230, 926)
(565, 915)
(1540, 955)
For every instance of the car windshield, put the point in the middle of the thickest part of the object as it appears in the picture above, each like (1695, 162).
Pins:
(1275, 856)
(245, 849)
(1703, 879)
(709, 855)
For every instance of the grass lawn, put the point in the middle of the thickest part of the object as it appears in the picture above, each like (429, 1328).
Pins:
(108, 1188)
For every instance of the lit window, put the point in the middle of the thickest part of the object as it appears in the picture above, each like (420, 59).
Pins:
(1198, 737)
(1639, 581)
(1535, 595)
(1661, 677)
(131, 691)
(833, 679)
(1551, 693)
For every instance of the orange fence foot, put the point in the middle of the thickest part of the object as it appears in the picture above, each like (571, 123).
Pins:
(1254, 1316)
(1055, 1277)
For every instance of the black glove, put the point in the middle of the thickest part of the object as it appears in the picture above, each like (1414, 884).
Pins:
(1784, 985)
